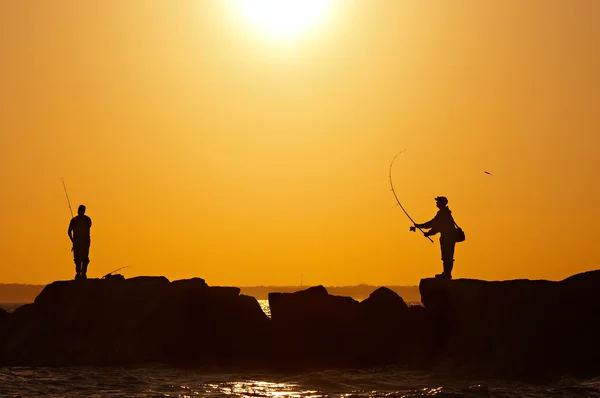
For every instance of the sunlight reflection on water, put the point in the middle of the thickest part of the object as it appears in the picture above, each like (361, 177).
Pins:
(263, 389)
(250, 388)
(264, 304)
(161, 381)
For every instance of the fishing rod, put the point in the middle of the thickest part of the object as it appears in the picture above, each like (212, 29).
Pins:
(67, 195)
(112, 272)
(398, 200)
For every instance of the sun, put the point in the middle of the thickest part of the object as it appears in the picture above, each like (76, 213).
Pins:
(283, 19)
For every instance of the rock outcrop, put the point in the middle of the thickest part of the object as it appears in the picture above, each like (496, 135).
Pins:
(143, 319)
(312, 329)
(517, 328)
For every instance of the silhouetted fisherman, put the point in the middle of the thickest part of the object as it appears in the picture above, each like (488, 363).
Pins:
(79, 233)
(443, 223)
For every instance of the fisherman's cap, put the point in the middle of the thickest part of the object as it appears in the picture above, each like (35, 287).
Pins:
(441, 199)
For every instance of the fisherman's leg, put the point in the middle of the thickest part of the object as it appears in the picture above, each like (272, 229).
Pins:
(442, 250)
(84, 267)
(77, 261)
(447, 256)
(448, 265)
(85, 260)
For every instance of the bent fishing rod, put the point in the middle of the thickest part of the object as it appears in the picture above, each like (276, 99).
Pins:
(398, 200)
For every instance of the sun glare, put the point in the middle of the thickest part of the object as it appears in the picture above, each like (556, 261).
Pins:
(283, 19)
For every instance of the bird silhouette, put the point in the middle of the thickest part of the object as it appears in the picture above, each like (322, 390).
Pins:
(487, 172)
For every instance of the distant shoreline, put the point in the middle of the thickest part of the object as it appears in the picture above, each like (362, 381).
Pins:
(358, 292)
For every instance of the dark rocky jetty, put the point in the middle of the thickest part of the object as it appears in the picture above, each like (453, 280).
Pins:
(515, 329)
(143, 319)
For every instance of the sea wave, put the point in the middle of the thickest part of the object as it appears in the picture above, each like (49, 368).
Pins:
(160, 381)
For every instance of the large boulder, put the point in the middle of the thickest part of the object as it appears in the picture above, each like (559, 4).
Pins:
(381, 329)
(310, 327)
(384, 303)
(390, 332)
(143, 319)
(313, 329)
(517, 328)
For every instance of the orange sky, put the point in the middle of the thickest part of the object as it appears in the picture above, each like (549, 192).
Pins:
(203, 148)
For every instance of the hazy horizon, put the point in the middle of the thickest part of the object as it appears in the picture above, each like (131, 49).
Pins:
(207, 142)
(290, 286)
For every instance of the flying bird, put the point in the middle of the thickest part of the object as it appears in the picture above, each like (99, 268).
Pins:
(487, 172)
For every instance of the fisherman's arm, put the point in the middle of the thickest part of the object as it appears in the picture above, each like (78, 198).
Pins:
(431, 232)
(70, 231)
(428, 224)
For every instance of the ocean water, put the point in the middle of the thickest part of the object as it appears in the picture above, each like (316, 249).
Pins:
(158, 381)
(163, 381)
(264, 304)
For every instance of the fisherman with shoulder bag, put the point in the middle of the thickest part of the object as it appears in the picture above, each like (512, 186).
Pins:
(450, 234)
